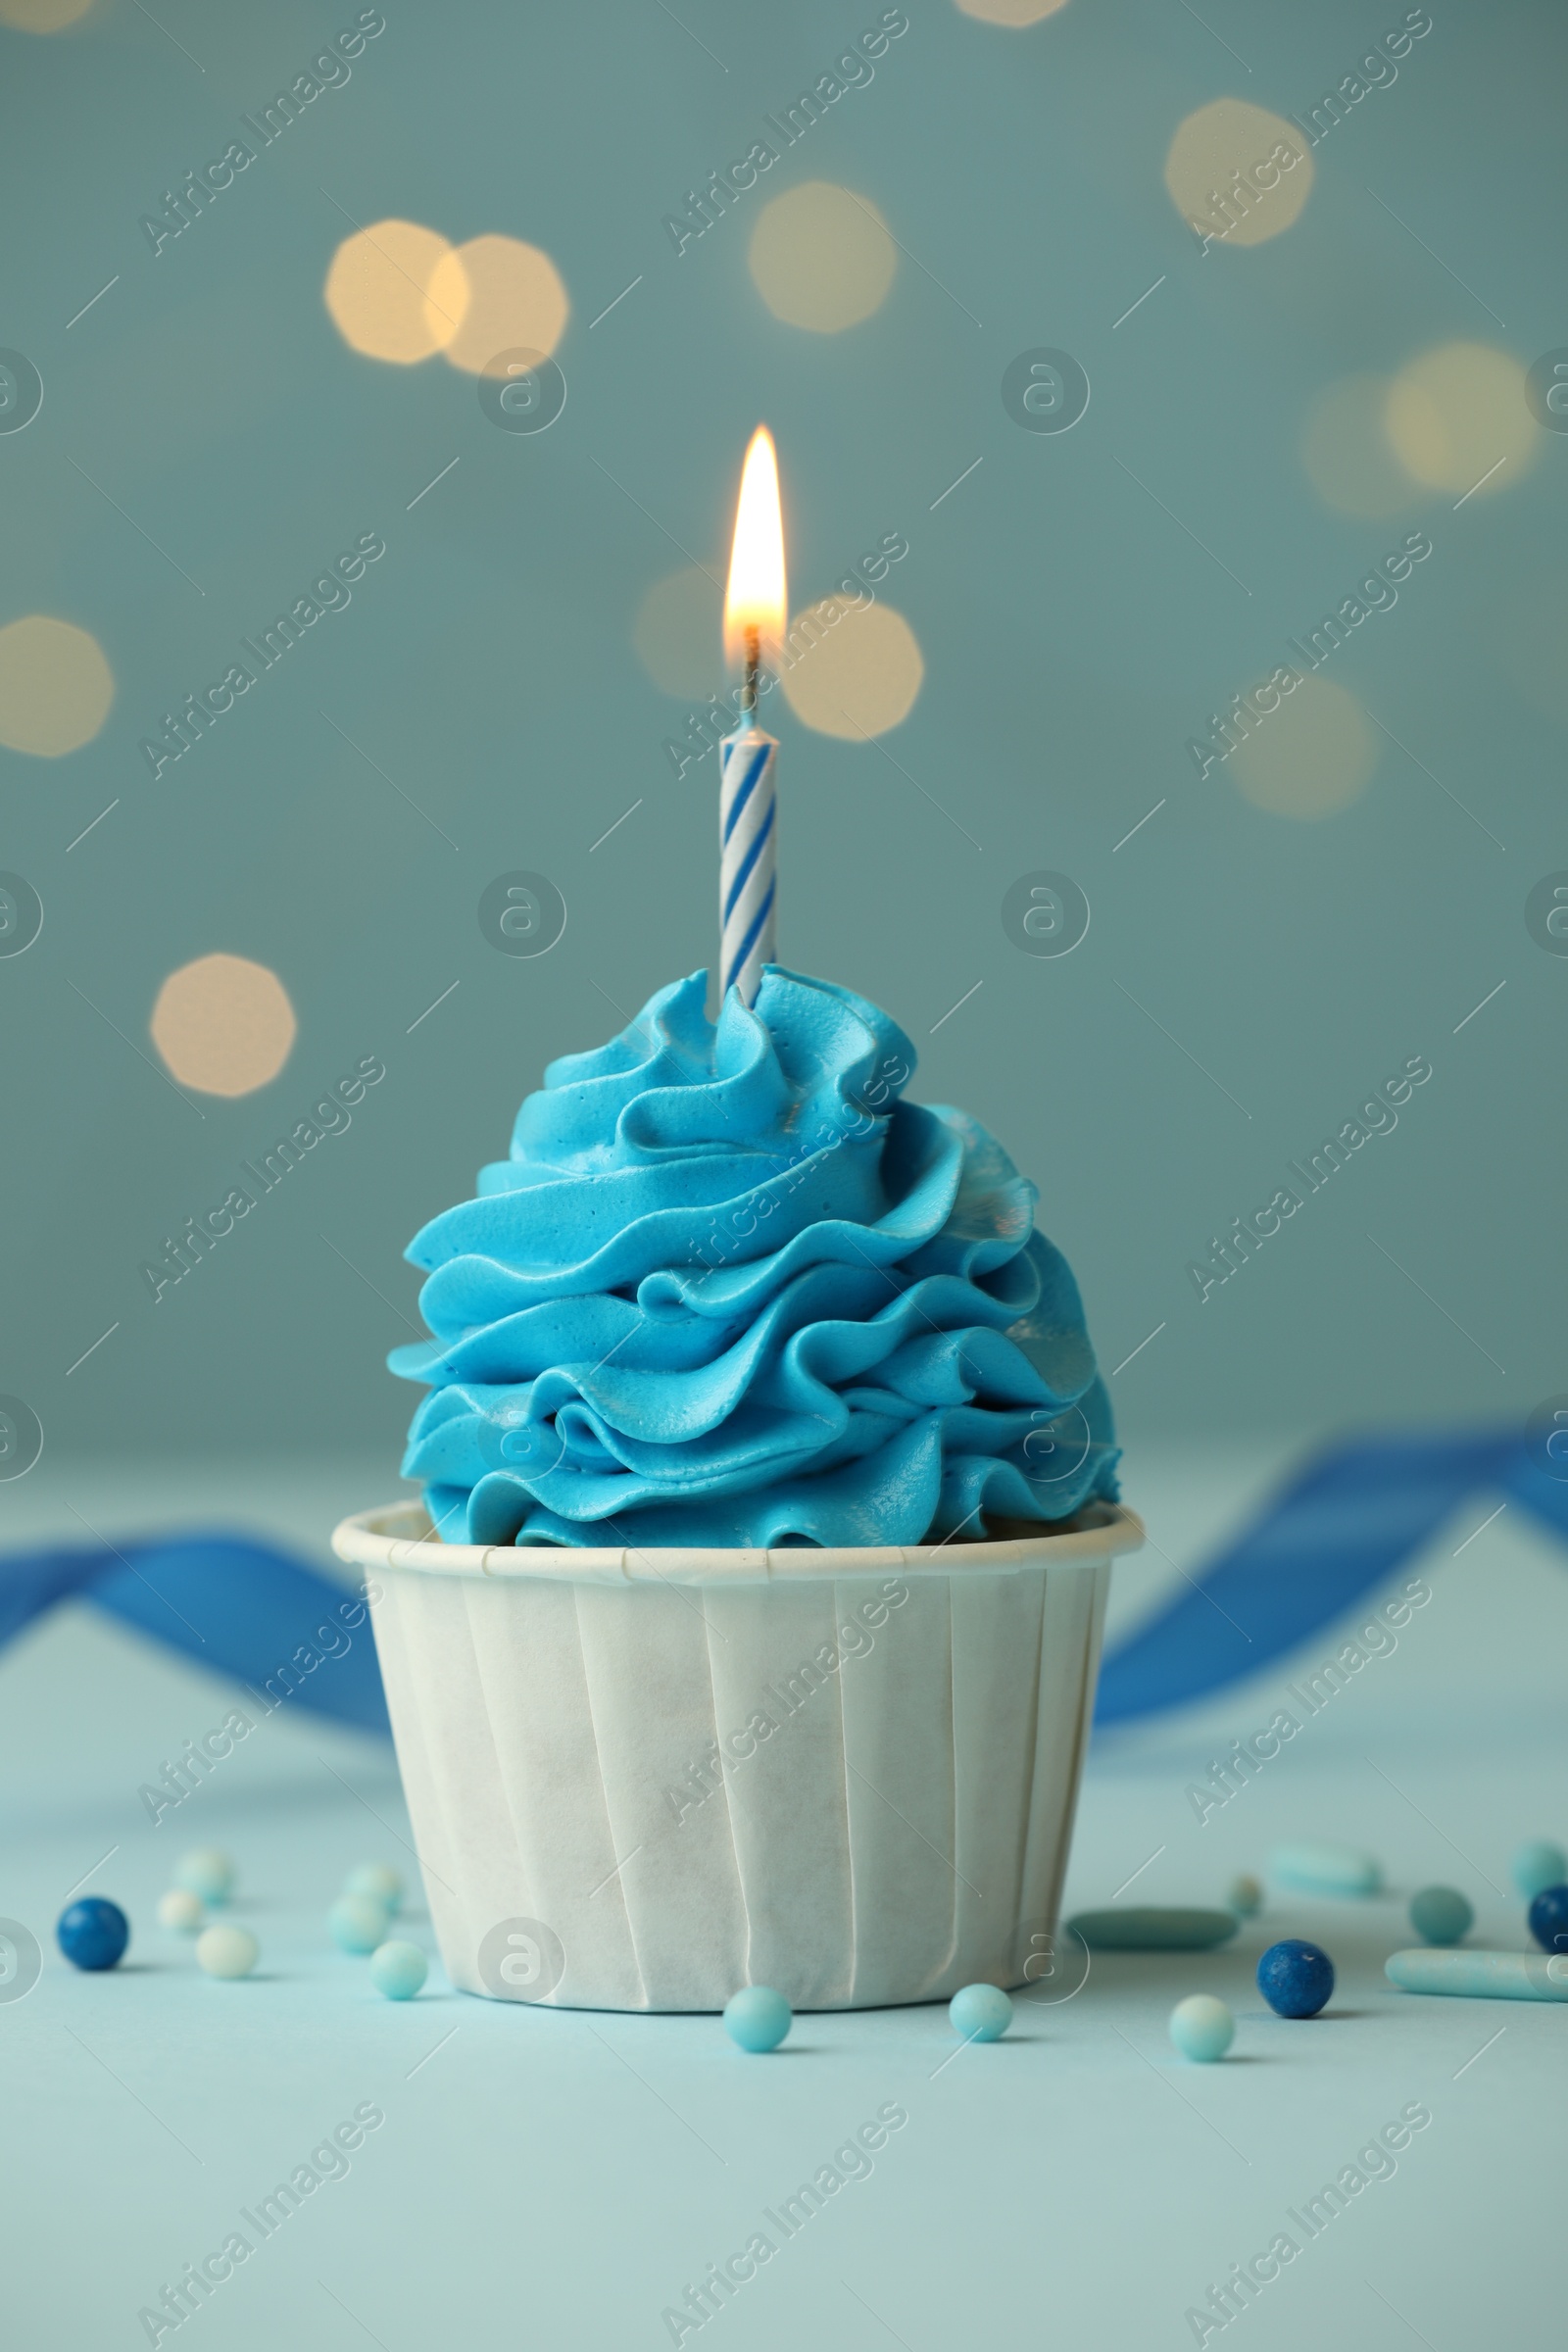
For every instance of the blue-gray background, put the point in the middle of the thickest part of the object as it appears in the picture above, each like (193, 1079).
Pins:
(1073, 637)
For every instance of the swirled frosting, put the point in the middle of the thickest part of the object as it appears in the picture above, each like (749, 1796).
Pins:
(731, 1289)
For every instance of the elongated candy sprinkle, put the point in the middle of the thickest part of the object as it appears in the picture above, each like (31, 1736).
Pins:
(1315, 1868)
(1481, 1975)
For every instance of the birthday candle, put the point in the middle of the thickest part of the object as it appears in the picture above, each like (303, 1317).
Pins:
(755, 609)
(748, 884)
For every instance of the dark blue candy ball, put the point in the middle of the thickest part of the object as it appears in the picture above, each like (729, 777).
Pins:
(94, 1932)
(1295, 1977)
(1548, 1919)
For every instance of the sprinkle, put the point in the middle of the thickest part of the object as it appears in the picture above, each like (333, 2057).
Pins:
(228, 1951)
(1322, 1869)
(980, 2013)
(1296, 1977)
(398, 1970)
(1201, 2028)
(1480, 1975)
(758, 2018)
(1441, 1913)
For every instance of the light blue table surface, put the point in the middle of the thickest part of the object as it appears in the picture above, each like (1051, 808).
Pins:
(545, 2180)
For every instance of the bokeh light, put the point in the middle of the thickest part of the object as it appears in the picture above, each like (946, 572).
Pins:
(55, 686)
(1454, 414)
(1345, 448)
(504, 296)
(822, 258)
(678, 633)
(224, 1025)
(42, 16)
(378, 289)
(851, 669)
(1010, 12)
(1238, 174)
(1311, 757)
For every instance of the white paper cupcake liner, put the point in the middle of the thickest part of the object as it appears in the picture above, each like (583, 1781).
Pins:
(640, 1779)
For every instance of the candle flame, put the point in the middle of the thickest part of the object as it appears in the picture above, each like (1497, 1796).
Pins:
(755, 601)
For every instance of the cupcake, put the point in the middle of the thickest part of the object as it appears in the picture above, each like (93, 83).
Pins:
(749, 1628)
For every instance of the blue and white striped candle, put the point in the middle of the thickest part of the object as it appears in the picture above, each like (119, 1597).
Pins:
(755, 611)
(748, 836)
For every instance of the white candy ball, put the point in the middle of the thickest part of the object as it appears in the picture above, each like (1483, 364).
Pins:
(228, 1951)
(180, 1911)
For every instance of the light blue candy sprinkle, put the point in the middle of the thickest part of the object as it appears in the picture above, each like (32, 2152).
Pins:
(980, 2013)
(758, 2018)
(205, 1872)
(1480, 1975)
(1201, 2028)
(398, 1970)
(379, 1881)
(1315, 1868)
(356, 1923)
(1440, 1915)
(1539, 1864)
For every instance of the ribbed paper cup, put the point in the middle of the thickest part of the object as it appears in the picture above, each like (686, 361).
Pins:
(640, 1779)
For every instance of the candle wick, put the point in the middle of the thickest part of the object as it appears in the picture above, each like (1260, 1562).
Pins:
(754, 664)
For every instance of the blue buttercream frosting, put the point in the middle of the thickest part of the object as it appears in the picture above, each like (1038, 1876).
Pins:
(731, 1289)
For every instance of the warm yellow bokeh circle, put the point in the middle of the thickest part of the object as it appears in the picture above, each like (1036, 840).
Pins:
(1010, 12)
(42, 16)
(397, 291)
(850, 669)
(1454, 413)
(378, 292)
(1237, 174)
(224, 1025)
(1311, 757)
(678, 632)
(504, 294)
(55, 686)
(821, 257)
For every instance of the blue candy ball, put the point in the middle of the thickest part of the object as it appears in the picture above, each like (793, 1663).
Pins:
(980, 2013)
(1296, 1977)
(1440, 1915)
(398, 1970)
(758, 2018)
(94, 1932)
(1539, 1864)
(1548, 1919)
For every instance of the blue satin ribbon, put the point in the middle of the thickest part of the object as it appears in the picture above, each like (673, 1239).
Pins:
(1338, 1527)
(241, 1607)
